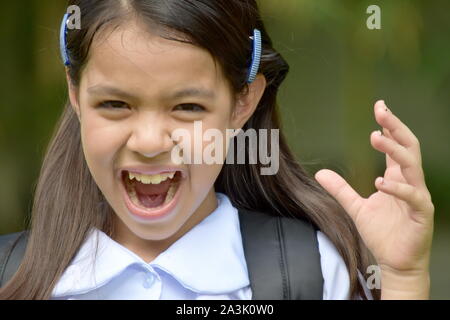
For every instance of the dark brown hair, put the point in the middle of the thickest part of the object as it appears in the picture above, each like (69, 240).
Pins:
(67, 201)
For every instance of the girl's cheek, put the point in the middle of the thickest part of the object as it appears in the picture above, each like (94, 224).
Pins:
(202, 178)
(204, 153)
(101, 140)
(212, 154)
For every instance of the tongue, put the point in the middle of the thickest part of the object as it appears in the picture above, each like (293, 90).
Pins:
(151, 201)
(152, 195)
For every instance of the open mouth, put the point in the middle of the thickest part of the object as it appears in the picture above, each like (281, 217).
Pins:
(151, 192)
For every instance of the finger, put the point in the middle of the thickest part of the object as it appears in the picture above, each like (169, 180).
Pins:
(389, 162)
(403, 191)
(410, 168)
(348, 198)
(398, 130)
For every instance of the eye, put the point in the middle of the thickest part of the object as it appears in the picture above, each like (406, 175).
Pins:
(190, 107)
(113, 105)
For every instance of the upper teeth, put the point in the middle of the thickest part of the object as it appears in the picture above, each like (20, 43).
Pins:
(151, 179)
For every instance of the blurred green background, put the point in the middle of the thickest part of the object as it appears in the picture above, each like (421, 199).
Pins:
(339, 68)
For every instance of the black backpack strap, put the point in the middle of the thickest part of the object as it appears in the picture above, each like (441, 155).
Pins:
(282, 255)
(12, 249)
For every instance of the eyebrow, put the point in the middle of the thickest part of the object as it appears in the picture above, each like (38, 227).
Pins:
(185, 92)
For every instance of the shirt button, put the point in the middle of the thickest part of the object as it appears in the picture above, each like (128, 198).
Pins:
(148, 281)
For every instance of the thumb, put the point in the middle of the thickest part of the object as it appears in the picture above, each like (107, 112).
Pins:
(348, 198)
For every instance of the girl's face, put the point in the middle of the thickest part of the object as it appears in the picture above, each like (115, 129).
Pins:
(136, 89)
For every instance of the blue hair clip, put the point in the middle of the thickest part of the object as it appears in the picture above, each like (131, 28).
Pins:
(256, 55)
(63, 41)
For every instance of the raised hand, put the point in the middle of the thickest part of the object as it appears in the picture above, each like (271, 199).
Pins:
(396, 222)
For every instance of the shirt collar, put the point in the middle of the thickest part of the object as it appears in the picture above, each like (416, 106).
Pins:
(208, 259)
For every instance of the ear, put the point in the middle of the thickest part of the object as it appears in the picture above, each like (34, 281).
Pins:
(73, 96)
(246, 104)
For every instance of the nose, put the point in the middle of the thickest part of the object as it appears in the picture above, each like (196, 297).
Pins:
(150, 137)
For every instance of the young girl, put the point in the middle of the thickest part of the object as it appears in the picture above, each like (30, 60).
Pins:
(114, 217)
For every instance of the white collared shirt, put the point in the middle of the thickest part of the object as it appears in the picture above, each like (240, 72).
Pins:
(207, 262)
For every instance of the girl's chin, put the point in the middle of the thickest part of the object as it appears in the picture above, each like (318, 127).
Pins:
(160, 208)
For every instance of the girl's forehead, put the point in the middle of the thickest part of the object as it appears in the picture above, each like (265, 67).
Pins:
(131, 56)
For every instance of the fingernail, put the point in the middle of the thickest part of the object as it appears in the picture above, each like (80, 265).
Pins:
(379, 133)
(385, 107)
(380, 180)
